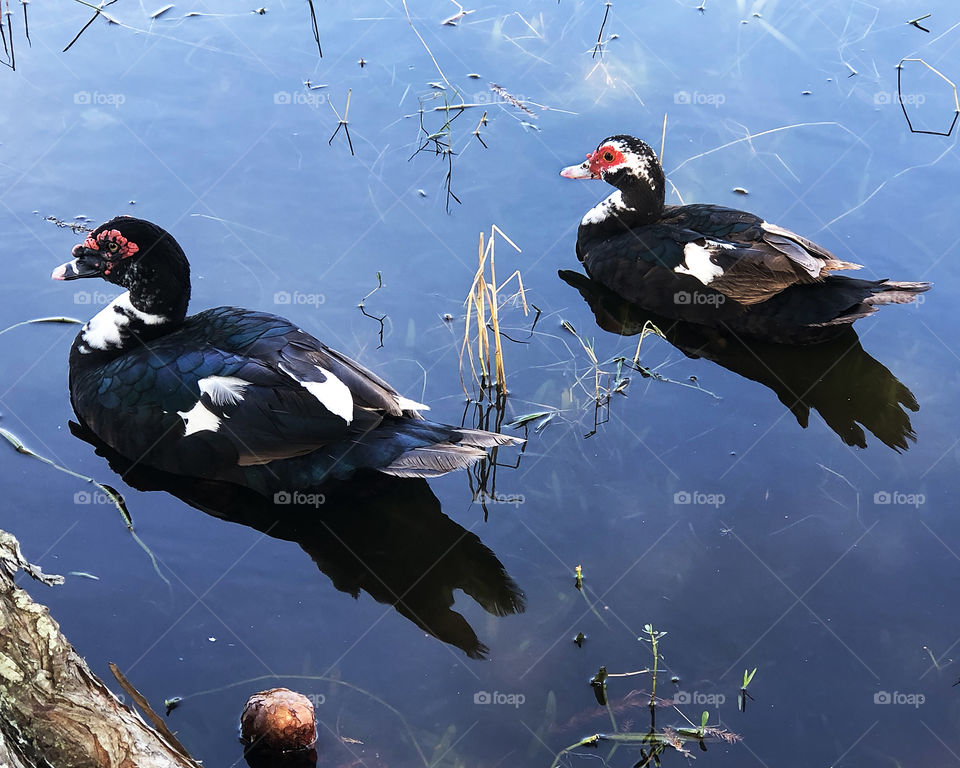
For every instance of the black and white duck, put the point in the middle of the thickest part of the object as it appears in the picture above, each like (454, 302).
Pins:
(713, 265)
(233, 394)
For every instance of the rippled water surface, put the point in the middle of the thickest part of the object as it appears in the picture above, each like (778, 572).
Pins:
(753, 534)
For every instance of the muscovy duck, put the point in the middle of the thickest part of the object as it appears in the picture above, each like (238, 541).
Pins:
(232, 394)
(713, 265)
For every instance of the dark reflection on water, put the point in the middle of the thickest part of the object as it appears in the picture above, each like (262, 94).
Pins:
(373, 533)
(837, 378)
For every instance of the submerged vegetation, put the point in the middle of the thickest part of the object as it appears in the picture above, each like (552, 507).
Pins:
(655, 742)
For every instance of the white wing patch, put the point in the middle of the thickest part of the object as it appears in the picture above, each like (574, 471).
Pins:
(699, 264)
(223, 390)
(406, 404)
(198, 419)
(333, 394)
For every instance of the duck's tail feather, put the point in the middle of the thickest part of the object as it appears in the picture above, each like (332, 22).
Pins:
(896, 292)
(434, 460)
(869, 296)
(461, 449)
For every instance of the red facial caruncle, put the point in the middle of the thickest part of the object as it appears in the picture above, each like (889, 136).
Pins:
(605, 157)
(115, 244)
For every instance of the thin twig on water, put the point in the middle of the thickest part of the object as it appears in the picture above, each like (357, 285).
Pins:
(598, 48)
(13, 57)
(363, 311)
(26, 24)
(476, 131)
(98, 10)
(343, 121)
(316, 32)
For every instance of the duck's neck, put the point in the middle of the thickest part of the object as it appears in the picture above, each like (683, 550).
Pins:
(634, 206)
(119, 326)
(153, 306)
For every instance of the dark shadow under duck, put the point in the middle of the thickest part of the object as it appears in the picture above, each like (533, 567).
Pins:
(232, 394)
(712, 265)
(837, 378)
(373, 533)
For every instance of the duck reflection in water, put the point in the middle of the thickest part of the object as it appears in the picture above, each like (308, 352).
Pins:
(373, 533)
(836, 378)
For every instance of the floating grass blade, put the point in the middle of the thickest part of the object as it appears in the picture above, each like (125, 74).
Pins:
(154, 718)
(111, 493)
(66, 320)
(521, 421)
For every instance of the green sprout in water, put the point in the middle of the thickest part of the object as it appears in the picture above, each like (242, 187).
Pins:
(697, 733)
(654, 637)
(743, 695)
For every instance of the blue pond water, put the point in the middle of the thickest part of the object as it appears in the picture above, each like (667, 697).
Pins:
(703, 509)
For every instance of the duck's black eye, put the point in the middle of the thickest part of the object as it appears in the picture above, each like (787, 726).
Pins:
(113, 247)
(608, 156)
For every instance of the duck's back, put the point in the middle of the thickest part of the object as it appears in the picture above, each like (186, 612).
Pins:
(228, 388)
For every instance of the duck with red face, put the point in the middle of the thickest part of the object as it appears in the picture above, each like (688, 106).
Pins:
(232, 394)
(714, 265)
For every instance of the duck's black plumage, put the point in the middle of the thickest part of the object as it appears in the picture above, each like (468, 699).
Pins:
(233, 394)
(713, 265)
